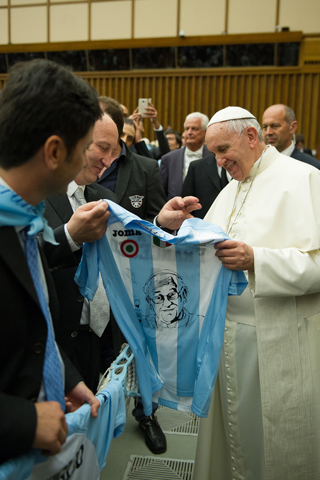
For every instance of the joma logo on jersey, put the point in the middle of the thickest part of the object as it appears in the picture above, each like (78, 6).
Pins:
(126, 233)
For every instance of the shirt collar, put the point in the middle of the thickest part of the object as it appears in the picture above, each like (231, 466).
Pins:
(4, 183)
(197, 153)
(265, 160)
(289, 150)
(123, 150)
(19, 214)
(72, 187)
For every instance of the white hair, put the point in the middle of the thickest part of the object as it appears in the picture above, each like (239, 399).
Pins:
(239, 126)
(204, 119)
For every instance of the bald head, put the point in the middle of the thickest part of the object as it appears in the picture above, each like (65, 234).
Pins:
(125, 111)
(105, 131)
(102, 151)
(278, 126)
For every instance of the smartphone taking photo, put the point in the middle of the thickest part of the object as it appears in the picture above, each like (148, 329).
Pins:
(142, 105)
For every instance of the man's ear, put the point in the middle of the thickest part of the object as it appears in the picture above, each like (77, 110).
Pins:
(252, 136)
(293, 127)
(55, 152)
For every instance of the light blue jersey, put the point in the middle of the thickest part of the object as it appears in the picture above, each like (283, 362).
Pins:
(84, 453)
(169, 297)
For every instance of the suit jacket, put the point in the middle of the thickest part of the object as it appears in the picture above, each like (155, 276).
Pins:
(171, 171)
(308, 151)
(64, 263)
(22, 347)
(203, 181)
(139, 177)
(304, 157)
(153, 152)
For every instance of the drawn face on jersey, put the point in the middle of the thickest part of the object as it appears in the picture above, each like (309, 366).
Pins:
(167, 304)
(166, 298)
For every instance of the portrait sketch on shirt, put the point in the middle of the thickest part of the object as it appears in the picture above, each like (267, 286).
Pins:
(166, 296)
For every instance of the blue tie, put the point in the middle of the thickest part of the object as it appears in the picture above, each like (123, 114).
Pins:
(52, 375)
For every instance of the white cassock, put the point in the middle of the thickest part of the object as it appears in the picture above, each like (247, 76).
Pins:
(264, 421)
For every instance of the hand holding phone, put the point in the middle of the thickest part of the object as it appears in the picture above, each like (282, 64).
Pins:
(142, 105)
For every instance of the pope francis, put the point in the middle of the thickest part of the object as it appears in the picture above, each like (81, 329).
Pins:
(264, 420)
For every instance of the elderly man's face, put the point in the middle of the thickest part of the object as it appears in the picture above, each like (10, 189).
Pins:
(166, 304)
(194, 134)
(276, 130)
(232, 152)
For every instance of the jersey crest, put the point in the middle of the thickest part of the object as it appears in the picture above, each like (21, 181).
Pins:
(136, 200)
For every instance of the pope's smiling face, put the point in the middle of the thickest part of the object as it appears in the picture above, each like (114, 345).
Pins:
(232, 151)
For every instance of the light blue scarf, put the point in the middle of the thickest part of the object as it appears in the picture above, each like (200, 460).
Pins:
(16, 212)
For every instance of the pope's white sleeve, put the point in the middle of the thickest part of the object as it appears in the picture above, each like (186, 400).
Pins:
(284, 272)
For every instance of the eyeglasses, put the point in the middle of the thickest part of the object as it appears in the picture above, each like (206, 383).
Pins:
(171, 296)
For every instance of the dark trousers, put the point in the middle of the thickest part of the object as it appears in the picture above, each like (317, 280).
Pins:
(86, 356)
(138, 412)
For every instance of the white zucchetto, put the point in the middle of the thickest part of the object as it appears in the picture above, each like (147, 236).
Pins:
(230, 113)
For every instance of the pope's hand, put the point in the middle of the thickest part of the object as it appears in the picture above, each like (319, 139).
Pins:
(178, 209)
(235, 255)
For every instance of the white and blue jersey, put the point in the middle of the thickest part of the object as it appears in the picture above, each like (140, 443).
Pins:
(84, 453)
(169, 296)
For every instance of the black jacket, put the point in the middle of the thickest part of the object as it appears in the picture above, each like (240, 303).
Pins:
(138, 177)
(304, 157)
(203, 181)
(22, 347)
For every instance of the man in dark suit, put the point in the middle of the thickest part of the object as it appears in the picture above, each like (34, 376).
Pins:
(205, 182)
(46, 120)
(134, 179)
(278, 126)
(174, 165)
(73, 225)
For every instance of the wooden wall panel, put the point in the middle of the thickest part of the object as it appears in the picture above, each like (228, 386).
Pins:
(175, 93)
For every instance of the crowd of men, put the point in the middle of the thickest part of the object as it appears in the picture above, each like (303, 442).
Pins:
(63, 149)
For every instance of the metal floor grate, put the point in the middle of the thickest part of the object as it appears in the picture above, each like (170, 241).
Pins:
(151, 468)
(173, 421)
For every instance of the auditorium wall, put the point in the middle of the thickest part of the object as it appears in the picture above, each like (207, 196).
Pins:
(40, 21)
(89, 26)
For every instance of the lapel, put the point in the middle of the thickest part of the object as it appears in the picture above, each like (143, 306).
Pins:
(212, 171)
(14, 257)
(205, 152)
(91, 193)
(124, 173)
(179, 163)
(61, 205)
